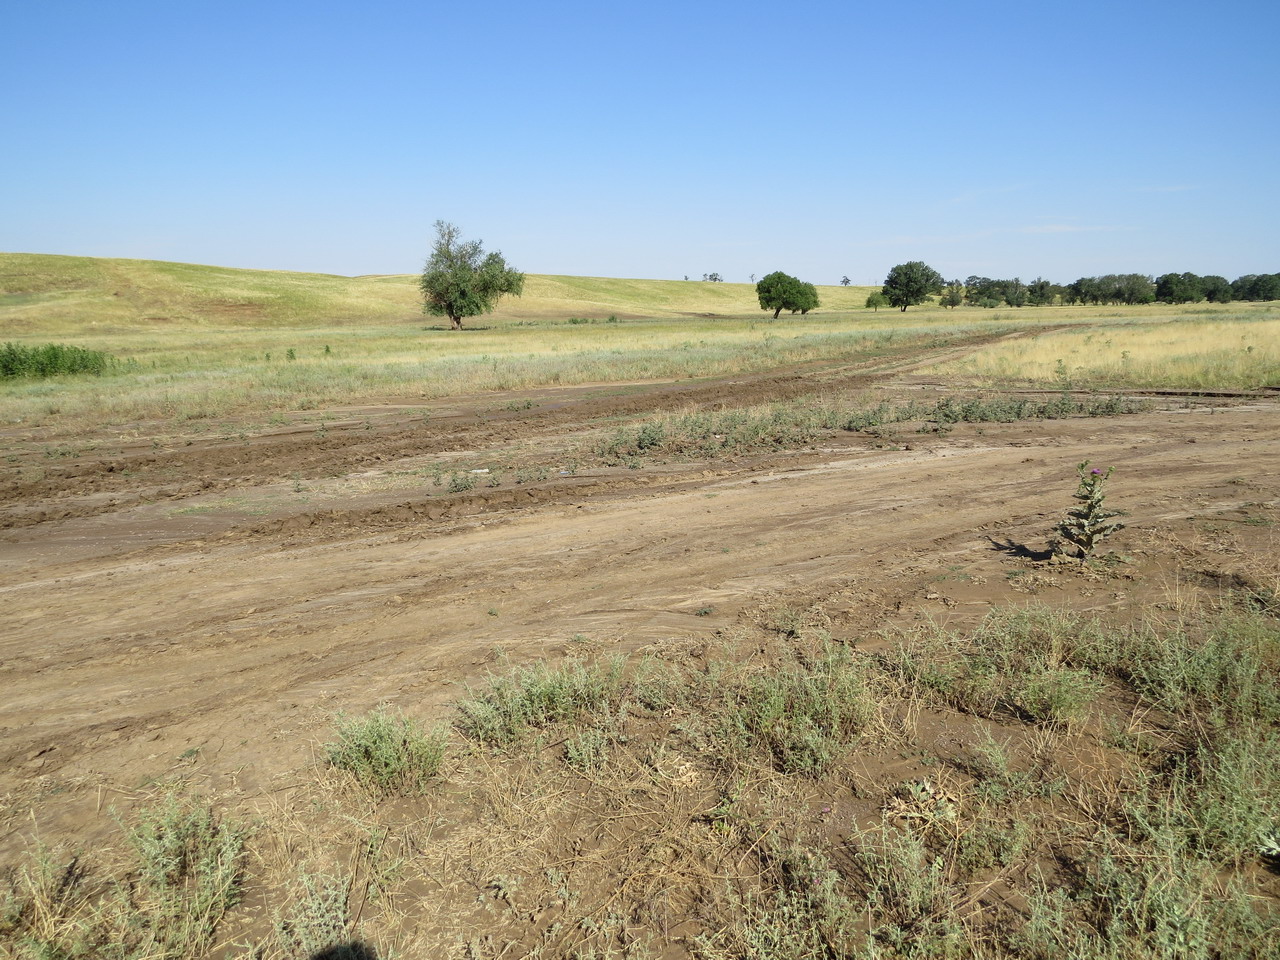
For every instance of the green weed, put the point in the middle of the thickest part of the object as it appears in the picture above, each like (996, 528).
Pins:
(386, 752)
(801, 714)
(186, 873)
(50, 360)
(1016, 661)
(319, 924)
(536, 697)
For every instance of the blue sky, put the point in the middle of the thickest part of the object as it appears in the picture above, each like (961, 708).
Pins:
(649, 140)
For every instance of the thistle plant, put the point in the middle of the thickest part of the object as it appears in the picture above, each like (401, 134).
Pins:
(1090, 521)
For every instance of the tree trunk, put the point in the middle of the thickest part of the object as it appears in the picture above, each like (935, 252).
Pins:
(455, 323)
(776, 312)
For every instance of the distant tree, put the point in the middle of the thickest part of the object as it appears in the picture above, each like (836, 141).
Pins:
(779, 291)
(953, 295)
(1085, 290)
(1267, 287)
(911, 283)
(983, 291)
(877, 300)
(713, 277)
(844, 281)
(461, 280)
(1256, 286)
(686, 276)
(1116, 288)
(1216, 289)
(1179, 288)
(1040, 292)
(1015, 293)
(753, 278)
(1133, 288)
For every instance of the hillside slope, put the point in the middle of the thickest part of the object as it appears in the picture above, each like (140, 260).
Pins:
(41, 293)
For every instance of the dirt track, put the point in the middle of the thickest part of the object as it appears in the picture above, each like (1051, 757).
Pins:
(206, 607)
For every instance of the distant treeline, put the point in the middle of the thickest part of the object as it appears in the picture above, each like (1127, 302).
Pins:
(1114, 288)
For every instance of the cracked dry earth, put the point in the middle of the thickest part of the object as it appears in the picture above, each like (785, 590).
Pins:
(204, 606)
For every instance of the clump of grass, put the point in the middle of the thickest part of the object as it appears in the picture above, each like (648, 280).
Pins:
(1215, 800)
(535, 697)
(907, 895)
(460, 482)
(1146, 900)
(1017, 661)
(186, 874)
(785, 425)
(387, 752)
(1222, 666)
(319, 924)
(802, 910)
(801, 715)
(1005, 409)
(50, 360)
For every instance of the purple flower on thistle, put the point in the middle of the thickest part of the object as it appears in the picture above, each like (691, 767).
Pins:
(1096, 472)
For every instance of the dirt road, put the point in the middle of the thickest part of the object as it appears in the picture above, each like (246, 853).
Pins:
(206, 607)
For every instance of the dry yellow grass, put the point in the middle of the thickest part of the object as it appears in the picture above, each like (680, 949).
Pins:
(43, 295)
(1233, 347)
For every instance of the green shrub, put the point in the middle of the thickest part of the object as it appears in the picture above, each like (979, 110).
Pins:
(801, 714)
(1225, 665)
(538, 696)
(49, 360)
(318, 923)
(386, 752)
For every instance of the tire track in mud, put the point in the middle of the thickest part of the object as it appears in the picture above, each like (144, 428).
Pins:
(95, 485)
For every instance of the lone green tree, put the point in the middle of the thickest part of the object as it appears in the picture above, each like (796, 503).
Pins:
(910, 283)
(461, 280)
(780, 291)
(877, 300)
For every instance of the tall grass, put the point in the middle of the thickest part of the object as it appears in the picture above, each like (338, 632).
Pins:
(50, 360)
(194, 374)
(1231, 347)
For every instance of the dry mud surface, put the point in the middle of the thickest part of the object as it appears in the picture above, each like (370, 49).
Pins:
(204, 606)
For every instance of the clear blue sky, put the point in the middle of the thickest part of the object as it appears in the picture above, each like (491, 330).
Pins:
(650, 139)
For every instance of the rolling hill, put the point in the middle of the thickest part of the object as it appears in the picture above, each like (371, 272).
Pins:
(43, 293)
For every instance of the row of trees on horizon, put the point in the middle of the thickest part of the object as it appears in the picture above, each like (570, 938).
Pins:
(916, 282)
(1111, 288)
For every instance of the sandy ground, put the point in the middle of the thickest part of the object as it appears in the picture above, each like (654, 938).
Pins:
(204, 606)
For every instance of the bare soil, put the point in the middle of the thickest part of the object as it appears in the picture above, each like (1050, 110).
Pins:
(203, 605)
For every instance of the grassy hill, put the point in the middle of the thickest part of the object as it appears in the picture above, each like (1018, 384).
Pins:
(41, 293)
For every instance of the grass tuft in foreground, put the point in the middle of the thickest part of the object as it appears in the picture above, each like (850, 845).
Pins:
(186, 874)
